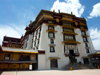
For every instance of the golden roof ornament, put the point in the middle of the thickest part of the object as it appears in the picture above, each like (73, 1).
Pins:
(57, 20)
(76, 23)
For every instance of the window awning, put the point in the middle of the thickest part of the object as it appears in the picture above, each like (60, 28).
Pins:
(85, 57)
(10, 61)
(54, 58)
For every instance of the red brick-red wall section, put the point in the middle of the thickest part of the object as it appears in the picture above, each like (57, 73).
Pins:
(41, 52)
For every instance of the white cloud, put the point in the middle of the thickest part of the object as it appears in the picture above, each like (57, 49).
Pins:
(10, 31)
(95, 36)
(69, 6)
(96, 11)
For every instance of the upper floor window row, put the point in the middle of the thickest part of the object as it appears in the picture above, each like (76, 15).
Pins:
(67, 29)
(50, 21)
(69, 37)
(66, 23)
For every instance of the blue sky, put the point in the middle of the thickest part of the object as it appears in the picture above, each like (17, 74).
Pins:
(15, 15)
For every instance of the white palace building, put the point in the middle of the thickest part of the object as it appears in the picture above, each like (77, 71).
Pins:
(58, 38)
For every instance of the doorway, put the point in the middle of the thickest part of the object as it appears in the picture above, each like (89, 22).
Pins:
(54, 63)
(86, 61)
(33, 66)
(71, 52)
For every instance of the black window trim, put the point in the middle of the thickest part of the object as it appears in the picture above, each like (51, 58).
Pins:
(53, 49)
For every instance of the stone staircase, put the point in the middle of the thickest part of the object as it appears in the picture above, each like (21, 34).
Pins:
(77, 66)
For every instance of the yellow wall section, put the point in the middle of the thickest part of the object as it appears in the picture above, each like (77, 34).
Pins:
(3, 66)
(16, 56)
(33, 56)
(14, 66)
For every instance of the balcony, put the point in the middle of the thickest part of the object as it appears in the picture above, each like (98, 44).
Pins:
(67, 54)
(51, 30)
(69, 32)
(71, 41)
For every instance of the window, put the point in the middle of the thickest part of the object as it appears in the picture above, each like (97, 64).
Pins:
(85, 39)
(14, 65)
(50, 27)
(51, 41)
(33, 35)
(7, 57)
(50, 22)
(26, 46)
(40, 29)
(34, 44)
(39, 35)
(31, 46)
(38, 41)
(67, 29)
(87, 50)
(24, 58)
(69, 24)
(82, 27)
(32, 40)
(35, 38)
(83, 33)
(68, 37)
(10, 45)
(51, 35)
(37, 48)
(27, 38)
(66, 23)
(16, 45)
(52, 49)
(86, 45)
(36, 32)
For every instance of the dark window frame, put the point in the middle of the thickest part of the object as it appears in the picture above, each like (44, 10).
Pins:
(10, 45)
(68, 37)
(16, 46)
(86, 44)
(38, 41)
(7, 55)
(84, 32)
(51, 21)
(68, 29)
(50, 26)
(51, 41)
(52, 33)
(86, 39)
(53, 49)
(87, 50)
